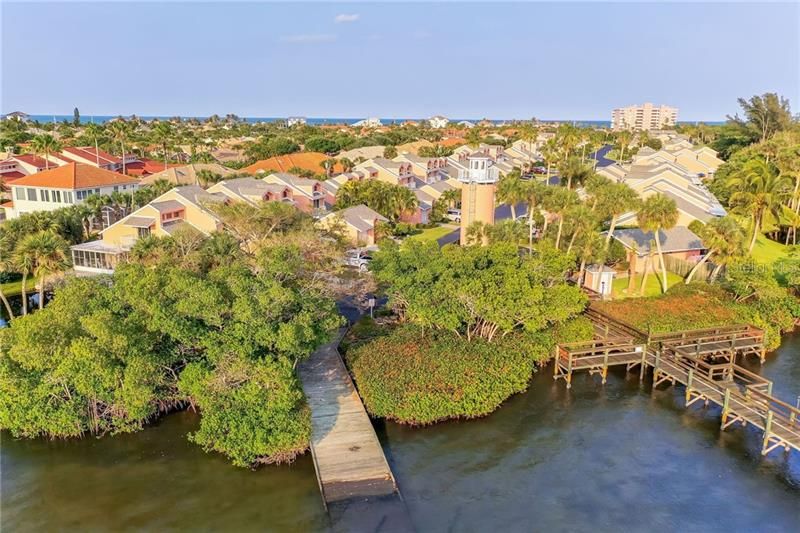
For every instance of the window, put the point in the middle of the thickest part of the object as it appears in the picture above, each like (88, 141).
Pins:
(20, 193)
(57, 197)
(143, 232)
(45, 195)
(116, 188)
(31, 194)
(67, 197)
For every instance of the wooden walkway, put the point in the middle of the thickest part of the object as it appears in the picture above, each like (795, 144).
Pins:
(348, 457)
(703, 361)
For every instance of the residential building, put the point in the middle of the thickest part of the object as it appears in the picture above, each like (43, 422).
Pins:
(394, 172)
(19, 165)
(187, 174)
(438, 122)
(63, 186)
(358, 224)
(253, 191)
(679, 242)
(427, 169)
(643, 117)
(181, 206)
(414, 146)
(296, 121)
(307, 194)
(371, 122)
(365, 152)
(467, 124)
(702, 162)
(18, 116)
(479, 181)
(693, 200)
(89, 155)
(308, 161)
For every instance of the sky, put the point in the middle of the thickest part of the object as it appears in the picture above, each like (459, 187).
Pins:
(569, 61)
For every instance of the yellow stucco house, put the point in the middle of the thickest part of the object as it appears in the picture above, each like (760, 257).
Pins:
(186, 205)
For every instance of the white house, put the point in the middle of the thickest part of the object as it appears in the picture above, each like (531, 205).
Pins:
(371, 122)
(63, 186)
(296, 121)
(438, 122)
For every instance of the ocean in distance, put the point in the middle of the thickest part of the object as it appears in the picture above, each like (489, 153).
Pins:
(315, 121)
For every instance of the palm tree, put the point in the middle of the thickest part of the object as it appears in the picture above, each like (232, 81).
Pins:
(658, 212)
(328, 165)
(510, 191)
(451, 197)
(624, 139)
(44, 144)
(402, 201)
(347, 164)
(163, 133)
(560, 201)
(612, 200)
(584, 221)
(574, 170)
(724, 239)
(6, 265)
(46, 254)
(759, 190)
(120, 132)
(93, 132)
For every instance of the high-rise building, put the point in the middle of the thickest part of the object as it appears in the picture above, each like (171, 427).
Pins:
(643, 117)
(478, 191)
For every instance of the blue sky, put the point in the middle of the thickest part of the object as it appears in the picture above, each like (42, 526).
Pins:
(463, 60)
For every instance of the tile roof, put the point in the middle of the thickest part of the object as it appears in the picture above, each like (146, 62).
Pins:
(310, 161)
(185, 174)
(90, 153)
(75, 176)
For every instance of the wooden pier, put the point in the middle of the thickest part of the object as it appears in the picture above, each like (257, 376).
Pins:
(348, 457)
(703, 361)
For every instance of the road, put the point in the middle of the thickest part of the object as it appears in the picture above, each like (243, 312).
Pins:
(502, 212)
(600, 156)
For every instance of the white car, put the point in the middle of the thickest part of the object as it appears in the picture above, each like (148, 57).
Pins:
(358, 259)
(454, 215)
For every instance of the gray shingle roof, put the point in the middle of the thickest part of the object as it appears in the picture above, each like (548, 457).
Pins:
(677, 239)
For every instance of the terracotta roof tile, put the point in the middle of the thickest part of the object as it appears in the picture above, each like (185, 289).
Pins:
(75, 176)
(282, 163)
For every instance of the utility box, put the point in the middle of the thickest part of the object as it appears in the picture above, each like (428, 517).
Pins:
(599, 279)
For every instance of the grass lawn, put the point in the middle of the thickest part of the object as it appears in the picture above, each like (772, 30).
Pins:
(14, 288)
(653, 287)
(768, 251)
(432, 234)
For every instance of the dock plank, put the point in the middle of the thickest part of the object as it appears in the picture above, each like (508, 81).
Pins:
(347, 454)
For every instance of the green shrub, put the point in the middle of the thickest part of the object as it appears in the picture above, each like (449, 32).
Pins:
(417, 376)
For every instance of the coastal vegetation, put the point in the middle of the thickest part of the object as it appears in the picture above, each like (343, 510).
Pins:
(191, 322)
(469, 326)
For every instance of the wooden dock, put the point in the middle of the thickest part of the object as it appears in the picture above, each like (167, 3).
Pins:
(348, 457)
(703, 361)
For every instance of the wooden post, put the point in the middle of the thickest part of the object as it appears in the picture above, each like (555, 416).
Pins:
(689, 385)
(644, 358)
(763, 355)
(555, 360)
(605, 366)
(726, 405)
(569, 371)
(769, 388)
(767, 429)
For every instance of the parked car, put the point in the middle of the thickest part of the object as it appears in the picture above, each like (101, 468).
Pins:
(540, 170)
(454, 215)
(358, 259)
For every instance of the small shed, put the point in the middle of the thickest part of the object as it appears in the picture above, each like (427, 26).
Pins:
(599, 278)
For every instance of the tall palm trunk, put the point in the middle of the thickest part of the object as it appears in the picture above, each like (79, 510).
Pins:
(647, 266)
(715, 273)
(756, 225)
(572, 240)
(696, 267)
(611, 228)
(560, 228)
(24, 292)
(123, 156)
(7, 305)
(661, 263)
(41, 291)
(581, 270)
(513, 207)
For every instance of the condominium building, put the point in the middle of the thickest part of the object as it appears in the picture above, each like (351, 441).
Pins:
(643, 117)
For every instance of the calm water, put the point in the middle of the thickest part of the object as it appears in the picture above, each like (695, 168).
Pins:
(599, 458)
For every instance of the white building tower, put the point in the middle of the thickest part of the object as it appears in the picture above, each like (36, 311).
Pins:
(478, 191)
